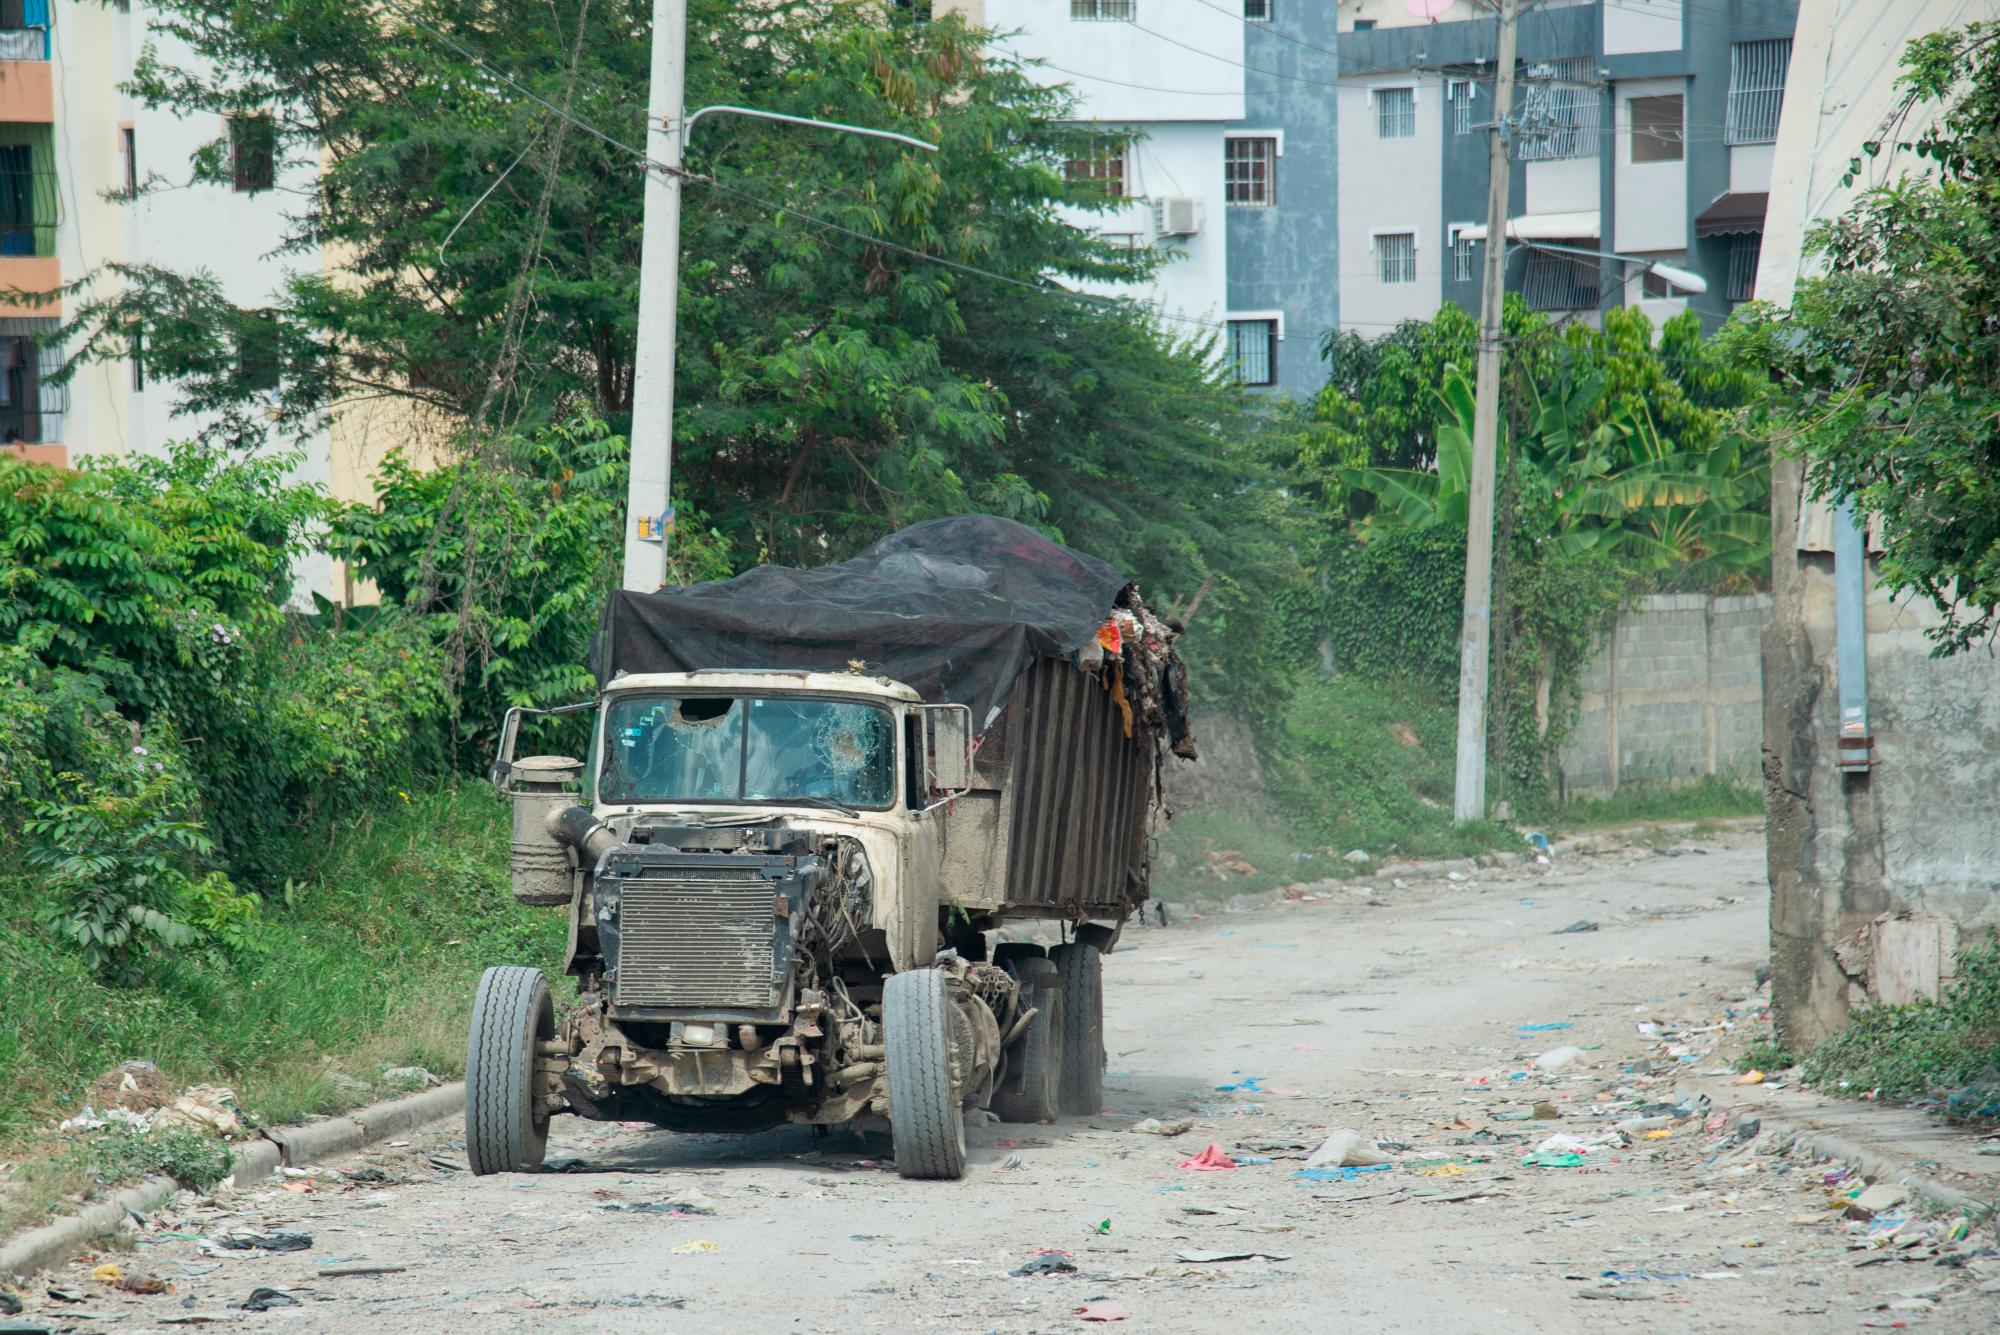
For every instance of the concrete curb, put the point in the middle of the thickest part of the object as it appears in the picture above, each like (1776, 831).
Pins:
(1875, 1167)
(286, 1147)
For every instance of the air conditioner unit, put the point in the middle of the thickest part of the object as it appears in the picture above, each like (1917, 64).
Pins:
(1177, 215)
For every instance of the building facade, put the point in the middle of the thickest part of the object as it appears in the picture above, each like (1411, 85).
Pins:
(70, 140)
(1645, 128)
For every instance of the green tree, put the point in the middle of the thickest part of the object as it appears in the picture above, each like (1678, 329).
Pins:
(1891, 358)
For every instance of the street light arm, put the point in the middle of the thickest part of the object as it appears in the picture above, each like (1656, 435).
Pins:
(1684, 279)
(687, 126)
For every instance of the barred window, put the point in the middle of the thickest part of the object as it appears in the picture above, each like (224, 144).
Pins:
(1105, 167)
(1744, 252)
(1563, 105)
(1756, 90)
(1121, 10)
(1557, 282)
(1395, 113)
(1458, 95)
(1464, 259)
(1396, 257)
(1257, 11)
(1253, 351)
(1250, 172)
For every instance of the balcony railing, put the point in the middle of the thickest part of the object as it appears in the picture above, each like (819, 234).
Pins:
(30, 211)
(1561, 282)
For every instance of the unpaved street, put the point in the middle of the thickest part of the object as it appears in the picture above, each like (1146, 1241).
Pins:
(1400, 1018)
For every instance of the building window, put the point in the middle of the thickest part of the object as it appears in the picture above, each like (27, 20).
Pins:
(1657, 135)
(253, 152)
(1744, 252)
(1395, 113)
(28, 211)
(258, 362)
(20, 396)
(1396, 257)
(128, 148)
(1464, 259)
(1458, 96)
(1756, 90)
(1122, 11)
(1257, 11)
(1556, 282)
(1253, 351)
(1103, 169)
(1364, 25)
(1561, 116)
(135, 351)
(1250, 172)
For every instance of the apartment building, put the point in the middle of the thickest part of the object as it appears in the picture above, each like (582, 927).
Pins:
(69, 138)
(1645, 129)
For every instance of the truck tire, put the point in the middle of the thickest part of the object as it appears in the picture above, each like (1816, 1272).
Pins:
(1081, 969)
(506, 1130)
(926, 1118)
(1033, 1090)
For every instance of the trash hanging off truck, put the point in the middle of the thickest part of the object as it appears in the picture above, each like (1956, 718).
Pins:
(810, 798)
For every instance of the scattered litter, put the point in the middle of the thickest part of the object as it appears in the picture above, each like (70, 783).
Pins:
(1555, 1059)
(1547, 1112)
(693, 1245)
(277, 1240)
(1102, 1226)
(350, 1268)
(1750, 1078)
(1102, 1310)
(1580, 925)
(447, 1164)
(1618, 1294)
(263, 1300)
(1014, 1163)
(1252, 1160)
(1346, 1149)
(1544, 1028)
(1047, 1263)
(372, 1175)
(1339, 1174)
(1208, 1160)
(1210, 1258)
(1249, 1084)
(1442, 1170)
(1635, 1276)
(1153, 1126)
(1554, 1159)
(1876, 1200)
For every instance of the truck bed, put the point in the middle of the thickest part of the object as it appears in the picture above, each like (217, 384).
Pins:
(1056, 823)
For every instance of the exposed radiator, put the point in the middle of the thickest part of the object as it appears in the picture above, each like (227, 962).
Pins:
(702, 938)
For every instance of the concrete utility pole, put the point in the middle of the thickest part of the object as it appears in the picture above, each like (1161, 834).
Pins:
(649, 495)
(1475, 636)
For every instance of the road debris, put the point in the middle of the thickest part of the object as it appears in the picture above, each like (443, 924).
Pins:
(1208, 1160)
(1046, 1263)
(1346, 1149)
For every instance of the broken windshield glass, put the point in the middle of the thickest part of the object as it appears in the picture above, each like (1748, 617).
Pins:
(714, 748)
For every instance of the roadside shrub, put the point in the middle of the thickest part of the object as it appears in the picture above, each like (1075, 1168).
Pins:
(1927, 1049)
(119, 1154)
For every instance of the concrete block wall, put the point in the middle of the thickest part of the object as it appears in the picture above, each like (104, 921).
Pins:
(1674, 692)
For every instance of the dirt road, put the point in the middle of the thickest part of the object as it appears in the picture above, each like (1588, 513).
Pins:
(1402, 1017)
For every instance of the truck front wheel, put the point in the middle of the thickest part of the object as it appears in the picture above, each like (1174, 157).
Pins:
(506, 1130)
(1080, 968)
(926, 1117)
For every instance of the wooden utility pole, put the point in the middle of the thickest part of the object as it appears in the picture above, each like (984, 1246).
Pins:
(649, 492)
(1475, 637)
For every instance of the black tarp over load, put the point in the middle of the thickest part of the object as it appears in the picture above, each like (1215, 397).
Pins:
(957, 609)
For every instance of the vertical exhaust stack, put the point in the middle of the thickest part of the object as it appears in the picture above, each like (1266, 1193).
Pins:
(540, 786)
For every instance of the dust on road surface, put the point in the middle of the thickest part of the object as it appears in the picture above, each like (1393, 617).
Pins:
(1400, 1016)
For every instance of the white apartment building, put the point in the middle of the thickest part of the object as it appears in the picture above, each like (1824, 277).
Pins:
(1172, 70)
(68, 136)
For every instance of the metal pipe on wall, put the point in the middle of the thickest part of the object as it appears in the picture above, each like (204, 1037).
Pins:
(1855, 749)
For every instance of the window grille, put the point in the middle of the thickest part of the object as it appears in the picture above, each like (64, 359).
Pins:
(1395, 113)
(1756, 90)
(1744, 252)
(1250, 172)
(1557, 282)
(1458, 95)
(1257, 11)
(1464, 259)
(1396, 257)
(1562, 118)
(1123, 11)
(1253, 351)
(1104, 168)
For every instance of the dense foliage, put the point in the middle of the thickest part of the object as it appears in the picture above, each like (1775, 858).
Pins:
(1621, 469)
(1892, 357)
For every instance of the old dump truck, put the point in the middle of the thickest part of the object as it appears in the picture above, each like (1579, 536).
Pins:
(810, 796)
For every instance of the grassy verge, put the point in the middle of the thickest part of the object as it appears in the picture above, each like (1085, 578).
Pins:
(369, 962)
(1946, 1050)
(1708, 798)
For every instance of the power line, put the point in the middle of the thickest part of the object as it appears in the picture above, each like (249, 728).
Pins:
(1269, 74)
(1270, 28)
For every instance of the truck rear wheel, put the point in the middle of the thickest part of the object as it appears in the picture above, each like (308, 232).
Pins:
(1033, 1089)
(1081, 970)
(506, 1130)
(925, 1115)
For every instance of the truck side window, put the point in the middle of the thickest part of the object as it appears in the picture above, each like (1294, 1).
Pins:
(916, 793)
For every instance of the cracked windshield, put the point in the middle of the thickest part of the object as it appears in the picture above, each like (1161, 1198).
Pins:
(714, 748)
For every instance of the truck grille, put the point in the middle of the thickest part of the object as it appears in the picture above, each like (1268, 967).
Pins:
(701, 938)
